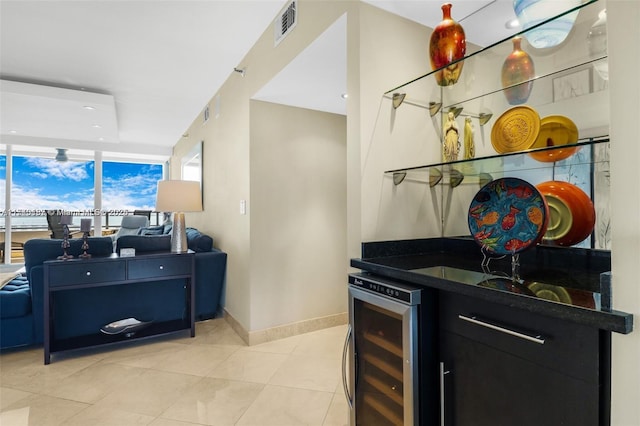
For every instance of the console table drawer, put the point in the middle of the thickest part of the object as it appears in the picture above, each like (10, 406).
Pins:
(159, 267)
(75, 273)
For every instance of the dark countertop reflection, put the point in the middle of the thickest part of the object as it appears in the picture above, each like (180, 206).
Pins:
(569, 283)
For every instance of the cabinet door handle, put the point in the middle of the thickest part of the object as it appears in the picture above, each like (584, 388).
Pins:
(443, 372)
(474, 320)
(344, 366)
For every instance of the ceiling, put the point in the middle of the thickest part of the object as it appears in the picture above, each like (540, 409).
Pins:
(152, 66)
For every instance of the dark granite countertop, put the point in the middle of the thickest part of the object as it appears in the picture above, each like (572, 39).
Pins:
(564, 283)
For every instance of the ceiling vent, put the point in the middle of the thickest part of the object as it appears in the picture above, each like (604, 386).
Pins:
(285, 22)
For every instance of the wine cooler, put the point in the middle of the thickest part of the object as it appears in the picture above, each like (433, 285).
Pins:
(381, 373)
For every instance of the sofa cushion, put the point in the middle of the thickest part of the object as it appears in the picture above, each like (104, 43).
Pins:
(144, 243)
(197, 241)
(15, 298)
(152, 230)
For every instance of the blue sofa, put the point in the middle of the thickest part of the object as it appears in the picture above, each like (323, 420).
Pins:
(21, 301)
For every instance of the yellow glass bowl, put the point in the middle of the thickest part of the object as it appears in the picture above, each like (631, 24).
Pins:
(555, 130)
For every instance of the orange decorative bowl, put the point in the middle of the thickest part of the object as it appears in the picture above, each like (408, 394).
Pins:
(555, 130)
(571, 213)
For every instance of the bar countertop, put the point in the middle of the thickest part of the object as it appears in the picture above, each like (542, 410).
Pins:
(564, 283)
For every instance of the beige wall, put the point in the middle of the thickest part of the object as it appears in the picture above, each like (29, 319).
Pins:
(227, 147)
(384, 50)
(624, 62)
(298, 225)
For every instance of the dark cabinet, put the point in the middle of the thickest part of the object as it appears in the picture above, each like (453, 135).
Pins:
(504, 366)
(131, 278)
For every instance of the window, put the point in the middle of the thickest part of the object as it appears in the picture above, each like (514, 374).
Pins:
(40, 184)
(127, 187)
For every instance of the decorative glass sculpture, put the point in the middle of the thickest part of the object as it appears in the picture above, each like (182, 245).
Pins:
(533, 12)
(446, 45)
(517, 73)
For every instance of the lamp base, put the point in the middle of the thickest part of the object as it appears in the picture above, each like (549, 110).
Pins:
(178, 234)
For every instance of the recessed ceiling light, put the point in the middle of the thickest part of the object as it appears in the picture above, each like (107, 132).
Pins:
(89, 107)
(344, 95)
(101, 139)
(97, 126)
(512, 23)
(13, 132)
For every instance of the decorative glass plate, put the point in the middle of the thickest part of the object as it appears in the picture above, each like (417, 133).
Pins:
(515, 130)
(508, 216)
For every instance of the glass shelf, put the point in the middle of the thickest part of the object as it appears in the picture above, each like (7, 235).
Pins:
(411, 191)
(494, 166)
(492, 47)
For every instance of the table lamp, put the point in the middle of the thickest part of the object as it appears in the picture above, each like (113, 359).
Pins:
(178, 196)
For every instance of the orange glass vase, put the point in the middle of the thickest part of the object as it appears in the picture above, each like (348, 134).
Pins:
(446, 45)
(517, 73)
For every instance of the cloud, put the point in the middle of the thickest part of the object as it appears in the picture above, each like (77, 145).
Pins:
(72, 170)
(128, 192)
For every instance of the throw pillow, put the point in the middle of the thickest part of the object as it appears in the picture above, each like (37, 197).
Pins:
(151, 230)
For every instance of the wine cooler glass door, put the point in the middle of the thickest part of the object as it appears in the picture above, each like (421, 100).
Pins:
(383, 350)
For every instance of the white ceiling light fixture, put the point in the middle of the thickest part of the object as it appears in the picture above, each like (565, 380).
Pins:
(46, 115)
(61, 156)
(512, 23)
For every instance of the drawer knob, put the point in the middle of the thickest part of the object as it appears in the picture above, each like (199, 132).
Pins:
(88, 273)
(161, 267)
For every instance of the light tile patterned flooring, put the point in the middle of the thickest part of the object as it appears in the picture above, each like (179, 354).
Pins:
(211, 379)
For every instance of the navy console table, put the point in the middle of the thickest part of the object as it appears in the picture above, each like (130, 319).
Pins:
(78, 274)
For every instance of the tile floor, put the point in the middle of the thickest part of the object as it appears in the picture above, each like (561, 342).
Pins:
(211, 379)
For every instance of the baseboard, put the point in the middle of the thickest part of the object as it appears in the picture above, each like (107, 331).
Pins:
(280, 332)
(236, 326)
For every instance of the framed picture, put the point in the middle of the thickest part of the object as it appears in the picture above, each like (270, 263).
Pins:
(572, 85)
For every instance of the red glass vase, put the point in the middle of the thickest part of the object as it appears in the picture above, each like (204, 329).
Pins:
(517, 73)
(446, 45)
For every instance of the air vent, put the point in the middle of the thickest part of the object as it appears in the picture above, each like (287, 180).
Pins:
(285, 22)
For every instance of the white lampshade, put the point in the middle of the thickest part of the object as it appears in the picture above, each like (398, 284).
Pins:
(178, 196)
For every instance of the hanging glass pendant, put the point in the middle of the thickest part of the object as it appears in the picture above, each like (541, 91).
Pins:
(533, 12)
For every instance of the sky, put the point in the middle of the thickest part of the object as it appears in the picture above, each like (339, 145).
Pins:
(41, 183)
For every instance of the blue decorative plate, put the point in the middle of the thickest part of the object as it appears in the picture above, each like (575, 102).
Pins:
(507, 216)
